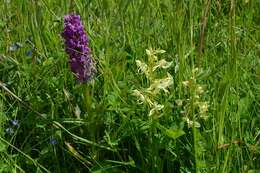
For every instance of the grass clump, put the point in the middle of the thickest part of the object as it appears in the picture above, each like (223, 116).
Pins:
(191, 108)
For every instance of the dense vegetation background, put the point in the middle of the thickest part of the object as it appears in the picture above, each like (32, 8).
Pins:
(51, 123)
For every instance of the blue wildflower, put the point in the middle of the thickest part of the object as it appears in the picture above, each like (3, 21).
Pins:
(53, 141)
(9, 131)
(29, 53)
(15, 122)
(15, 46)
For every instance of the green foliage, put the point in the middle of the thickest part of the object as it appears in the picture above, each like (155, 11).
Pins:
(100, 126)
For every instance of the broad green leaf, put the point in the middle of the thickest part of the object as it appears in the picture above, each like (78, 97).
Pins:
(172, 133)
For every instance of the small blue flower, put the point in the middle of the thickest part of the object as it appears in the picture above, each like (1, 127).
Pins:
(15, 46)
(15, 122)
(29, 53)
(53, 141)
(9, 131)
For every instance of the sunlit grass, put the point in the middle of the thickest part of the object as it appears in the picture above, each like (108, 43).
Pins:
(99, 126)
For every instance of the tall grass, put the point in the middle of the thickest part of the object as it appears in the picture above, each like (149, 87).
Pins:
(65, 126)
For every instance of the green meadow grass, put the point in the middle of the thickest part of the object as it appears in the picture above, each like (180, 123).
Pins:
(99, 126)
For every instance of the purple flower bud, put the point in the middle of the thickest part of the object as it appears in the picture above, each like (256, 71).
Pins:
(76, 46)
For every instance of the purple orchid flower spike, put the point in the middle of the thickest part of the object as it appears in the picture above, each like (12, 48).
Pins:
(76, 46)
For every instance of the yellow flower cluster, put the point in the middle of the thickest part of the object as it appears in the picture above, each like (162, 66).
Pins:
(195, 102)
(148, 95)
